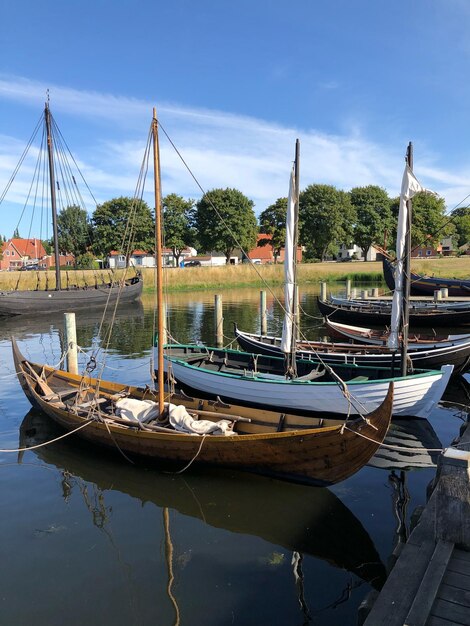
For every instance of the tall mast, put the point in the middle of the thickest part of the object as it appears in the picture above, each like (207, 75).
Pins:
(47, 115)
(158, 260)
(406, 275)
(292, 365)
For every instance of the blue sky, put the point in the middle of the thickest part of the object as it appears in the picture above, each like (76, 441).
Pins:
(234, 85)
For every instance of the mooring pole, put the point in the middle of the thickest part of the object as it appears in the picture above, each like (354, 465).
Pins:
(71, 342)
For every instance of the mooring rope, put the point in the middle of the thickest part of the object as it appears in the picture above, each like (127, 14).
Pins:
(46, 443)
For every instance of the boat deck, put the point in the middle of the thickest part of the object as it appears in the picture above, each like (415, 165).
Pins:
(429, 584)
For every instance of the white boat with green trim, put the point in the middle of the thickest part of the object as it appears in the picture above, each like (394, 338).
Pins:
(260, 381)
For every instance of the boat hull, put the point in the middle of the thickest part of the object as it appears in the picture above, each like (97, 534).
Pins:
(457, 355)
(380, 316)
(51, 301)
(414, 395)
(426, 286)
(323, 455)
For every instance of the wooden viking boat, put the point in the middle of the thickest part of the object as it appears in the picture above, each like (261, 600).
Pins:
(38, 301)
(427, 285)
(324, 453)
(379, 315)
(456, 353)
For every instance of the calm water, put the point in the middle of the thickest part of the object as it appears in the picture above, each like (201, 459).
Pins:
(88, 538)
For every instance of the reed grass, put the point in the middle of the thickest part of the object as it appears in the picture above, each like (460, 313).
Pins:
(229, 276)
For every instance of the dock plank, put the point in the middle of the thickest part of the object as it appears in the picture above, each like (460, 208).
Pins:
(455, 595)
(454, 579)
(430, 584)
(459, 567)
(454, 612)
(439, 621)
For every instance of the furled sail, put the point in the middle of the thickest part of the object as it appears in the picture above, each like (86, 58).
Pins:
(409, 187)
(289, 269)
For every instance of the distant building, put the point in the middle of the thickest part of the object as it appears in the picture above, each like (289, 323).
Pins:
(141, 258)
(19, 252)
(353, 251)
(265, 254)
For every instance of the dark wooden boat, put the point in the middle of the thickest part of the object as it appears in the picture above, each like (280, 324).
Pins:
(415, 304)
(24, 302)
(427, 285)
(456, 354)
(380, 315)
(321, 454)
(21, 302)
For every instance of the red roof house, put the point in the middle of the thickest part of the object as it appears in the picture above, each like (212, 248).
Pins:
(18, 252)
(265, 254)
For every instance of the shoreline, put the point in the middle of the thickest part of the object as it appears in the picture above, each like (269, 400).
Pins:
(236, 276)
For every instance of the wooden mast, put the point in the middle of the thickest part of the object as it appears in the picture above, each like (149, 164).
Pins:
(406, 275)
(47, 115)
(158, 261)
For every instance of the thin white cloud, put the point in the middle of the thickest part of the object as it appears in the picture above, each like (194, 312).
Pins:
(222, 149)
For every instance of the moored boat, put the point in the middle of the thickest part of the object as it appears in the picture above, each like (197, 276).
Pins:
(379, 315)
(424, 357)
(427, 285)
(260, 381)
(321, 454)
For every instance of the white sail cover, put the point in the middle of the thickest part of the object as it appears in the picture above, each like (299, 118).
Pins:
(409, 187)
(289, 269)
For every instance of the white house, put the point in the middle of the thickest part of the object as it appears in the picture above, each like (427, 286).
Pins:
(352, 251)
(140, 258)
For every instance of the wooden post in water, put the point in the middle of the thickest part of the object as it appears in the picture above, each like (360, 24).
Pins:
(322, 291)
(262, 308)
(348, 288)
(71, 342)
(375, 292)
(444, 293)
(218, 321)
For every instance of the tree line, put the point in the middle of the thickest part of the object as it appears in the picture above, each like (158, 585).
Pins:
(224, 220)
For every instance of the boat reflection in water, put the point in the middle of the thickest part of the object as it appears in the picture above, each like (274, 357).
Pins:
(302, 519)
(409, 444)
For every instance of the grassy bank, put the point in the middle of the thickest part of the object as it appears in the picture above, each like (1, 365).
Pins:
(227, 277)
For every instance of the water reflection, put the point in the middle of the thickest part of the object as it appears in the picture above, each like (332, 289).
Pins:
(409, 444)
(304, 520)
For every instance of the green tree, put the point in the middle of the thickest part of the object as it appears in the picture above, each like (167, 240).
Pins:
(326, 217)
(178, 224)
(461, 220)
(428, 220)
(373, 216)
(225, 220)
(47, 245)
(273, 222)
(16, 234)
(73, 231)
(122, 224)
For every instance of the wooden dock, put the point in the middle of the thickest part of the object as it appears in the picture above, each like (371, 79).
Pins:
(429, 584)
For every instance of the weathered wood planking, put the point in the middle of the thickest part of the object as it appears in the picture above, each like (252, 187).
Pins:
(424, 599)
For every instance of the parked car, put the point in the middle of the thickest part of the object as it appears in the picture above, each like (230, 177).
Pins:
(27, 268)
(192, 263)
